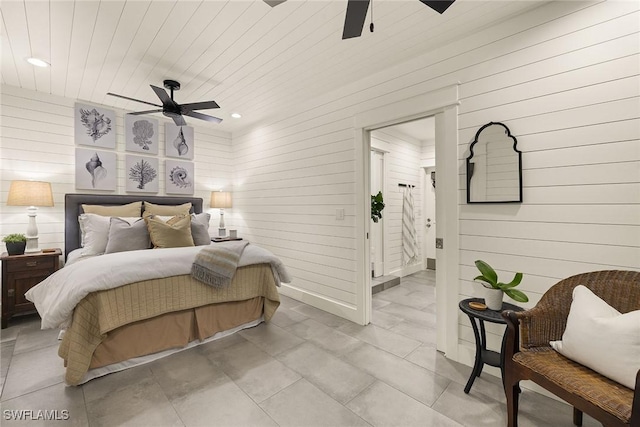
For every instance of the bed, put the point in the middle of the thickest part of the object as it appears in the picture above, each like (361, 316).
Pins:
(113, 321)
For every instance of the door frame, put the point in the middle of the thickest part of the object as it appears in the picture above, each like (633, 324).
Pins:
(381, 221)
(443, 104)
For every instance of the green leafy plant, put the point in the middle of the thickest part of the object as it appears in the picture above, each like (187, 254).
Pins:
(489, 277)
(377, 206)
(14, 238)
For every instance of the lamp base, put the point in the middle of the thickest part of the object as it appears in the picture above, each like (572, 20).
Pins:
(32, 245)
(32, 232)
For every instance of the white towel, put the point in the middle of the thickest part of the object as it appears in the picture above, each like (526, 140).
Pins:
(409, 234)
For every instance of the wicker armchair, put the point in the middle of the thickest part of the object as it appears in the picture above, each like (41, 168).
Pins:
(528, 355)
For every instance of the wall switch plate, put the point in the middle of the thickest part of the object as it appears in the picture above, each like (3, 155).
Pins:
(340, 214)
(439, 243)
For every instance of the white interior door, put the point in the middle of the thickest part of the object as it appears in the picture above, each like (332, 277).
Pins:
(429, 217)
(376, 242)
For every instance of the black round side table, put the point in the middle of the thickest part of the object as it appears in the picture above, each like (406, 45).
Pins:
(478, 317)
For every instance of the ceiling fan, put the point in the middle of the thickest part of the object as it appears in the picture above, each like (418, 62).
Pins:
(172, 109)
(357, 13)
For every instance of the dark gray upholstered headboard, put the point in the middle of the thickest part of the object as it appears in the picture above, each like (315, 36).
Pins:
(73, 208)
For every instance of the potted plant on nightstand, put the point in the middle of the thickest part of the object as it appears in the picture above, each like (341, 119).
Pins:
(495, 290)
(15, 243)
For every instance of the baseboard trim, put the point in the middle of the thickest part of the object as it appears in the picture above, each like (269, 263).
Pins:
(334, 307)
(408, 270)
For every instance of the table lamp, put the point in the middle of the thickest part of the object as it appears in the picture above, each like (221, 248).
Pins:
(32, 194)
(221, 200)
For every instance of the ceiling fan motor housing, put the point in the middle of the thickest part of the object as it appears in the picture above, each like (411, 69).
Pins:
(171, 85)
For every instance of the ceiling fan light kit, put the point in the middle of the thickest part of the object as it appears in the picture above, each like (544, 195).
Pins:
(171, 108)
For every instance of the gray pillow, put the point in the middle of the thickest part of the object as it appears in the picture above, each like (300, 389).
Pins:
(200, 229)
(127, 237)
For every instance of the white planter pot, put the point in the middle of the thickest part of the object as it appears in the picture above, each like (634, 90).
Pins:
(493, 298)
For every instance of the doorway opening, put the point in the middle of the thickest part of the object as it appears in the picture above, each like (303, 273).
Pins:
(398, 241)
(443, 105)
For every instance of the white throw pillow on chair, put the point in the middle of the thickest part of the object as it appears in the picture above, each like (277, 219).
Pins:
(601, 338)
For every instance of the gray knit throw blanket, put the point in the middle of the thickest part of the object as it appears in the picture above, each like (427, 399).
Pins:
(217, 263)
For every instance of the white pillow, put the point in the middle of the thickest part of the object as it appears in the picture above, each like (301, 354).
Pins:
(95, 232)
(599, 337)
(200, 228)
(126, 236)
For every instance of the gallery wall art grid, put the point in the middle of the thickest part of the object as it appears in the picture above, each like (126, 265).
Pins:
(97, 169)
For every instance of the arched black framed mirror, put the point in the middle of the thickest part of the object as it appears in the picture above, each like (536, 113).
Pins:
(494, 166)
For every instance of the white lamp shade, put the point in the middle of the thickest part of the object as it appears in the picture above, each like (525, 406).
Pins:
(220, 199)
(30, 193)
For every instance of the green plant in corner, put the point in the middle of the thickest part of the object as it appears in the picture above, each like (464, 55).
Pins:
(14, 238)
(377, 206)
(490, 279)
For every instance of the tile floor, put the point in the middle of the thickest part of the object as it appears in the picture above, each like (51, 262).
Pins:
(305, 368)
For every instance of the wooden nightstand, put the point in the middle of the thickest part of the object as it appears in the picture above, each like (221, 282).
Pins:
(19, 274)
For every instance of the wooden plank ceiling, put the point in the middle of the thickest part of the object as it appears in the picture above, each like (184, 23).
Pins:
(250, 58)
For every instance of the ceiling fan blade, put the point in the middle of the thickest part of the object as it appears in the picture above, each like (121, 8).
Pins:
(137, 113)
(201, 116)
(438, 5)
(205, 105)
(132, 99)
(274, 3)
(164, 96)
(354, 19)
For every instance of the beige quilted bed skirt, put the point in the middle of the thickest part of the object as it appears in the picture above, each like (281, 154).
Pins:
(104, 311)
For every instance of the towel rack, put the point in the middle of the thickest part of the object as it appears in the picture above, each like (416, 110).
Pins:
(406, 185)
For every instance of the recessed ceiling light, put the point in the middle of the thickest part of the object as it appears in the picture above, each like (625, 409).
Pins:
(38, 62)
(236, 115)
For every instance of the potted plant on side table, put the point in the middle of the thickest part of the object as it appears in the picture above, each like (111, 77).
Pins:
(494, 289)
(15, 243)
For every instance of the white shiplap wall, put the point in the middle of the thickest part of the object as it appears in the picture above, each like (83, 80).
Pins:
(571, 98)
(563, 77)
(37, 142)
(402, 166)
(288, 187)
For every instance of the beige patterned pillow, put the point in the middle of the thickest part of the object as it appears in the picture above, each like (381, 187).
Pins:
(176, 234)
(151, 209)
(129, 210)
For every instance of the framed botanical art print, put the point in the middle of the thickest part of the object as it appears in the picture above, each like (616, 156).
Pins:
(141, 134)
(96, 170)
(179, 177)
(142, 174)
(178, 141)
(94, 126)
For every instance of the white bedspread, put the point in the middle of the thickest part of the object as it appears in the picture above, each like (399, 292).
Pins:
(56, 296)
